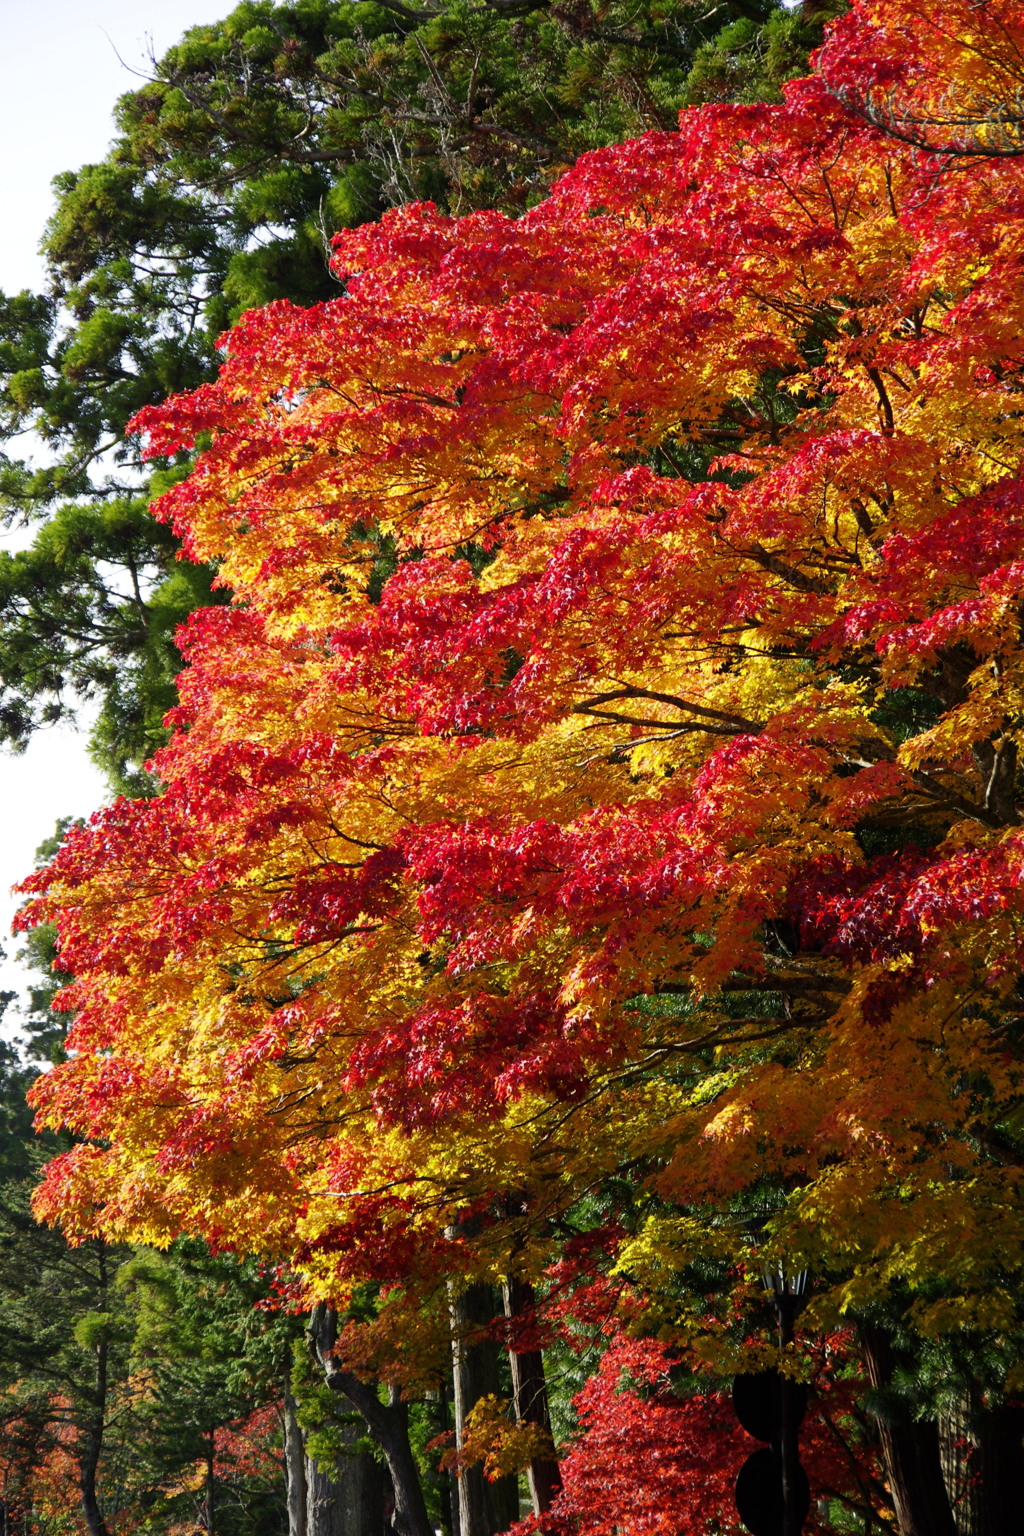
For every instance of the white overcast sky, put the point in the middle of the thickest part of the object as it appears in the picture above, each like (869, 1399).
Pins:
(59, 79)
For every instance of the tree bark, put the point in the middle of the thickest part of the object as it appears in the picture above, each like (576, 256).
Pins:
(360, 1498)
(485, 1508)
(348, 1500)
(530, 1394)
(92, 1440)
(387, 1424)
(211, 1484)
(92, 1445)
(450, 1486)
(294, 1469)
(910, 1452)
(320, 1510)
(983, 1464)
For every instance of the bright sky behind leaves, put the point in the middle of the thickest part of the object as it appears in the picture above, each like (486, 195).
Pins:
(59, 79)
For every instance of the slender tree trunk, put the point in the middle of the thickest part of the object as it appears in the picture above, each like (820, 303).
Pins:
(450, 1491)
(983, 1464)
(88, 1465)
(387, 1423)
(910, 1452)
(294, 1469)
(530, 1393)
(485, 1508)
(211, 1486)
(92, 1439)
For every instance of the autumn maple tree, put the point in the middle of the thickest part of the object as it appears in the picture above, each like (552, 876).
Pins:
(608, 765)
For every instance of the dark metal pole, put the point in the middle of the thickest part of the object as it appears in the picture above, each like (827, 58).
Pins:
(789, 1451)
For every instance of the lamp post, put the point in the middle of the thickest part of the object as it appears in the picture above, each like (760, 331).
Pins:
(772, 1492)
(789, 1293)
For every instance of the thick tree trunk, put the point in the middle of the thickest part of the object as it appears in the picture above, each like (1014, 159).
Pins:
(294, 1469)
(983, 1463)
(387, 1424)
(530, 1394)
(485, 1508)
(349, 1501)
(361, 1494)
(320, 1510)
(910, 1452)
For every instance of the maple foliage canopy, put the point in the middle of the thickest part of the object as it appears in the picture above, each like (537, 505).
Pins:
(610, 757)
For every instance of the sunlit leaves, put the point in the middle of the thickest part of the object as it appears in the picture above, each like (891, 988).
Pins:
(627, 606)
